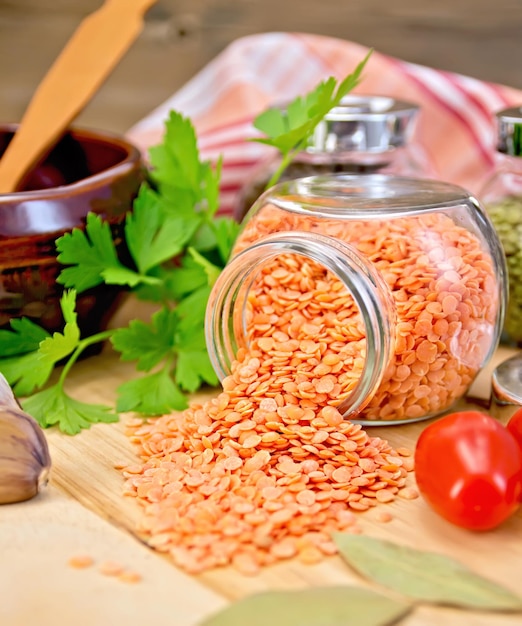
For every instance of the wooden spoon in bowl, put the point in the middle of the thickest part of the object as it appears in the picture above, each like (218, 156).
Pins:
(89, 56)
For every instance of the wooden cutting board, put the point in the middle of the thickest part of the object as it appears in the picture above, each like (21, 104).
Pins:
(84, 511)
(37, 586)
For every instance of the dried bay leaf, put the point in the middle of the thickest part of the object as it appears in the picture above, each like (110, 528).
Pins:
(425, 576)
(318, 606)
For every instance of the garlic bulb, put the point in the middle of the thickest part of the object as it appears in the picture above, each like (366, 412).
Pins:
(24, 454)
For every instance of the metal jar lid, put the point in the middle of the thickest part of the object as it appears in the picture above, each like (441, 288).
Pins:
(364, 124)
(509, 131)
(507, 382)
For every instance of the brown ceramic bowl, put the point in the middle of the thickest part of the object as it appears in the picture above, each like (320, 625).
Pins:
(87, 171)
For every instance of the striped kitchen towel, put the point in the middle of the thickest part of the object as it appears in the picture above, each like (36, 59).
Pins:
(455, 128)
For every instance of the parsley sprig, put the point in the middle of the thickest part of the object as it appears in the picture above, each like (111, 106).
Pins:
(177, 248)
(35, 355)
(288, 129)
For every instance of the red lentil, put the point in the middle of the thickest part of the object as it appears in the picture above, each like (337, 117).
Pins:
(129, 577)
(81, 561)
(408, 493)
(110, 568)
(107, 568)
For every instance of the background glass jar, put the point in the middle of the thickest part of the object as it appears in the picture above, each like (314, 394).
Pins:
(502, 197)
(382, 296)
(363, 135)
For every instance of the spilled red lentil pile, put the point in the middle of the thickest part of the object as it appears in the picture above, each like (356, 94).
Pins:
(269, 468)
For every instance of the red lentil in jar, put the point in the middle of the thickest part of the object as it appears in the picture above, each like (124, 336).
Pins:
(382, 295)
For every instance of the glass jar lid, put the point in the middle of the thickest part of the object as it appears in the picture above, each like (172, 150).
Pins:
(509, 131)
(364, 124)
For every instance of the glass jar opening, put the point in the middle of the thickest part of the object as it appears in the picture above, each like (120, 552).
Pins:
(312, 310)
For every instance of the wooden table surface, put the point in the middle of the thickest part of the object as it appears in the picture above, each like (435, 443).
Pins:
(83, 511)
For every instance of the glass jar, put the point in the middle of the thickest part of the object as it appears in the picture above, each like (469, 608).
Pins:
(382, 296)
(363, 135)
(502, 197)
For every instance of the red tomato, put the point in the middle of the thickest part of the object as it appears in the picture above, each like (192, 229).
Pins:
(515, 426)
(469, 469)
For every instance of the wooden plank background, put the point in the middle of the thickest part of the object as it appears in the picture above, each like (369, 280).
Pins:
(480, 38)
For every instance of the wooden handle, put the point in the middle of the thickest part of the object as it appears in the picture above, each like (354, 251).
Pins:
(89, 56)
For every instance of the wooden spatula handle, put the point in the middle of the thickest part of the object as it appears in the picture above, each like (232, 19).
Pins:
(89, 56)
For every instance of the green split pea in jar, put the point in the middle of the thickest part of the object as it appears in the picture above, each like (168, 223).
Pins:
(379, 295)
(502, 197)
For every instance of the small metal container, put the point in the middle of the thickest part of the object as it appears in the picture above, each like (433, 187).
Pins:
(363, 124)
(506, 388)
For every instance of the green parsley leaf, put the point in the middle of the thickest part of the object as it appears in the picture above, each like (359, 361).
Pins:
(146, 343)
(53, 406)
(287, 130)
(272, 122)
(226, 231)
(175, 163)
(26, 372)
(194, 368)
(93, 260)
(210, 180)
(185, 279)
(125, 276)
(204, 238)
(189, 186)
(24, 337)
(53, 349)
(160, 290)
(88, 253)
(155, 394)
(191, 313)
(219, 234)
(212, 271)
(32, 370)
(153, 235)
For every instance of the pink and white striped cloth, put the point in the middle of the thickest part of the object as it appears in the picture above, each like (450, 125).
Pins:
(455, 129)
